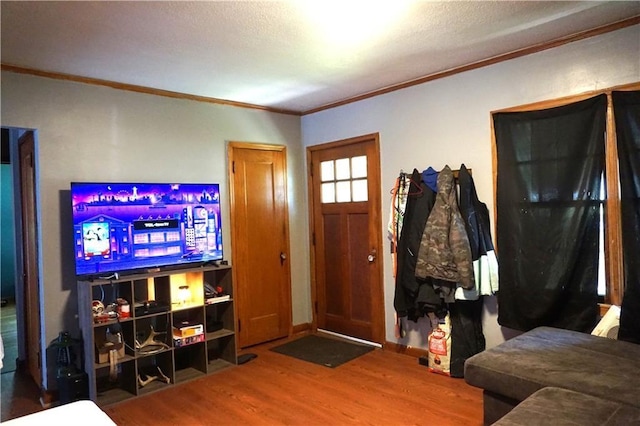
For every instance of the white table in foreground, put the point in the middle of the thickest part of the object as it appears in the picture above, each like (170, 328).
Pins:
(72, 414)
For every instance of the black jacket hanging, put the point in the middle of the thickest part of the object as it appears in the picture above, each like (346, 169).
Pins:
(414, 297)
(467, 338)
(475, 215)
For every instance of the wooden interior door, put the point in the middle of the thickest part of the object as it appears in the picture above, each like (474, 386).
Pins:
(31, 279)
(344, 179)
(260, 241)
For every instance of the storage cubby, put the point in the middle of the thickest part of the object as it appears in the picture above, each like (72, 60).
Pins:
(146, 332)
(155, 372)
(188, 317)
(153, 334)
(118, 336)
(152, 295)
(190, 361)
(107, 297)
(115, 385)
(187, 290)
(221, 352)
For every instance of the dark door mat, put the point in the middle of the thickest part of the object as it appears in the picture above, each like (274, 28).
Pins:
(323, 350)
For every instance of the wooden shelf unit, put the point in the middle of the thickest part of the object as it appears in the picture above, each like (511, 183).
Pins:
(180, 297)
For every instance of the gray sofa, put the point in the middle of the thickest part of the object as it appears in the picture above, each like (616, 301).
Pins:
(556, 406)
(577, 366)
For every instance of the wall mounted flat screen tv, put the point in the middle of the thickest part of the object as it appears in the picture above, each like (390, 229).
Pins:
(127, 227)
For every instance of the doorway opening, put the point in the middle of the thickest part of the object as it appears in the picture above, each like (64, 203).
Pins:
(20, 258)
(9, 255)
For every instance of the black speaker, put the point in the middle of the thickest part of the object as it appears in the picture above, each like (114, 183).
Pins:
(73, 387)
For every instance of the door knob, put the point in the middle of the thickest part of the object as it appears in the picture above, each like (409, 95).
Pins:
(372, 256)
(283, 257)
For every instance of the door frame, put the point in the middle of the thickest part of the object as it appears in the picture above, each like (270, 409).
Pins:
(378, 309)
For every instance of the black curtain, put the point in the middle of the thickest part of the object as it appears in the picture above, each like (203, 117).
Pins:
(626, 108)
(550, 164)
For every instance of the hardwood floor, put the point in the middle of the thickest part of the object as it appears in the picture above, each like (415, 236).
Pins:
(8, 328)
(19, 395)
(380, 387)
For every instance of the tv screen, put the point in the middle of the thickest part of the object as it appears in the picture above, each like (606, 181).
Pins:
(125, 227)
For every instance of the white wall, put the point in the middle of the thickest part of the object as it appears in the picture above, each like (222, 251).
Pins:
(92, 133)
(447, 121)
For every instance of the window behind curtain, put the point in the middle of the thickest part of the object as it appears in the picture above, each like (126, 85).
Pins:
(626, 109)
(549, 168)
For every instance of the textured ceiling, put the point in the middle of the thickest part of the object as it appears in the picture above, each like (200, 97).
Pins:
(282, 54)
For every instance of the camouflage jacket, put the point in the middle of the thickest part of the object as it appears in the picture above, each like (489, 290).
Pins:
(444, 249)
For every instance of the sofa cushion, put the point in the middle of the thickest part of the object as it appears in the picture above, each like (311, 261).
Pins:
(555, 406)
(547, 356)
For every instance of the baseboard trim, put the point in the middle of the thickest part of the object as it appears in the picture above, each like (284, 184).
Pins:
(405, 350)
(301, 328)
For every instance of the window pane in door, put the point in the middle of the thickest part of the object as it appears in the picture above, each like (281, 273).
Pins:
(342, 169)
(326, 171)
(360, 190)
(359, 167)
(343, 191)
(328, 192)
